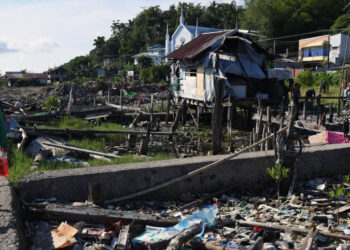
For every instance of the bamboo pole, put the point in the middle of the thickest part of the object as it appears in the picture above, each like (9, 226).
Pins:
(342, 71)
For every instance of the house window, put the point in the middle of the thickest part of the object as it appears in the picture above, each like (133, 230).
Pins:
(193, 72)
(306, 52)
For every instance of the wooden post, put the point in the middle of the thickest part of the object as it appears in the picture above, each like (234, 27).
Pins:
(161, 105)
(168, 109)
(304, 108)
(198, 114)
(342, 71)
(121, 99)
(94, 100)
(96, 194)
(217, 117)
(184, 115)
(178, 115)
(262, 137)
(268, 131)
(151, 110)
(144, 143)
(229, 122)
(70, 102)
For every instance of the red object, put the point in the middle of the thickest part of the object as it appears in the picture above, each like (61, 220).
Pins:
(162, 88)
(343, 85)
(217, 201)
(140, 101)
(258, 229)
(4, 166)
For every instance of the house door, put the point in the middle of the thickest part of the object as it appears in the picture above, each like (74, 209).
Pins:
(200, 81)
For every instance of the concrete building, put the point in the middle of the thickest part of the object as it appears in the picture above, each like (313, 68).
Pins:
(337, 50)
(323, 50)
(155, 52)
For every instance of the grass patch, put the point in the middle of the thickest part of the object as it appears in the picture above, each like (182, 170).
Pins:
(90, 144)
(77, 123)
(96, 143)
(333, 91)
(20, 163)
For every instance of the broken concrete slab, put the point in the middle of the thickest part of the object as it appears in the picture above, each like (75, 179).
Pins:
(11, 228)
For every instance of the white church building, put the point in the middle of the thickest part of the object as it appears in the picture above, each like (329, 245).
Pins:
(183, 34)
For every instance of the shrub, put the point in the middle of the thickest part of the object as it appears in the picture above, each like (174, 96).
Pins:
(27, 82)
(305, 78)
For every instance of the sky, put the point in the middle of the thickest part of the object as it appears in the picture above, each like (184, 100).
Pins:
(41, 34)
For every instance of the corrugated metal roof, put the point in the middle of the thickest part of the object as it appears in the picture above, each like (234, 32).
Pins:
(27, 76)
(197, 45)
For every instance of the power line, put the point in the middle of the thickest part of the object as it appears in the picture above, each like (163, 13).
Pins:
(301, 34)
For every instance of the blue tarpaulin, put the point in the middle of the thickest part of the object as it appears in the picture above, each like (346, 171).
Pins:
(156, 234)
(251, 68)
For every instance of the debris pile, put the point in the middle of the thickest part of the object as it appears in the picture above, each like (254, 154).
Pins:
(315, 217)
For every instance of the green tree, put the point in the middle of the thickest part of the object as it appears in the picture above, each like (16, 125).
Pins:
(79, 67)
(145, 61)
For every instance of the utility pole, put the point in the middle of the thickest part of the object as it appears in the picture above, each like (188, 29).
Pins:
(342, 71)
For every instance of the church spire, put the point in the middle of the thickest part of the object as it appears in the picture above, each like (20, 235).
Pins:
(182, 19)
(167, 32)
(167, 42)
(196, 32)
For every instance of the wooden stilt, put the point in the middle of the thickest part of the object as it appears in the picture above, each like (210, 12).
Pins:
(304, 109)
(229, 122)
(151, 109)
(121, 99)
(168, 109)
(198, 114)
(217, 117)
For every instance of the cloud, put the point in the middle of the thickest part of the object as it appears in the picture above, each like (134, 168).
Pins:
(46, 33)
(5, 49)
(41, 45)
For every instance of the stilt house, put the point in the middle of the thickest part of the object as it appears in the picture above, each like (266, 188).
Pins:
(230, 55)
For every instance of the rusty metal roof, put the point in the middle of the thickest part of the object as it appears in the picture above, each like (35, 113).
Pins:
(197, 45)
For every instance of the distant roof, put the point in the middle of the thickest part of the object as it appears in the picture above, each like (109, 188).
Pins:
(149, 54)
(27, 76)
(197, 45)
(201, 30)
(57, 68)
(157, 46)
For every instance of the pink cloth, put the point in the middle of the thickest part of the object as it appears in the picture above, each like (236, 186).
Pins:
(335, 138)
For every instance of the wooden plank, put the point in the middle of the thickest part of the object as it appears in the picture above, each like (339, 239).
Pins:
(90, 214)
(309, 239)
(55, 131)
(123, 239)
(291, 229)
(200, 81)
(72, 148)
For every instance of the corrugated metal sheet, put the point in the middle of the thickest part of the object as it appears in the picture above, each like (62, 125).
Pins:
(197, 45)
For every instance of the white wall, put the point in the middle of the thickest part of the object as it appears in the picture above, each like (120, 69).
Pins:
(181, 32)
(337, 49)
